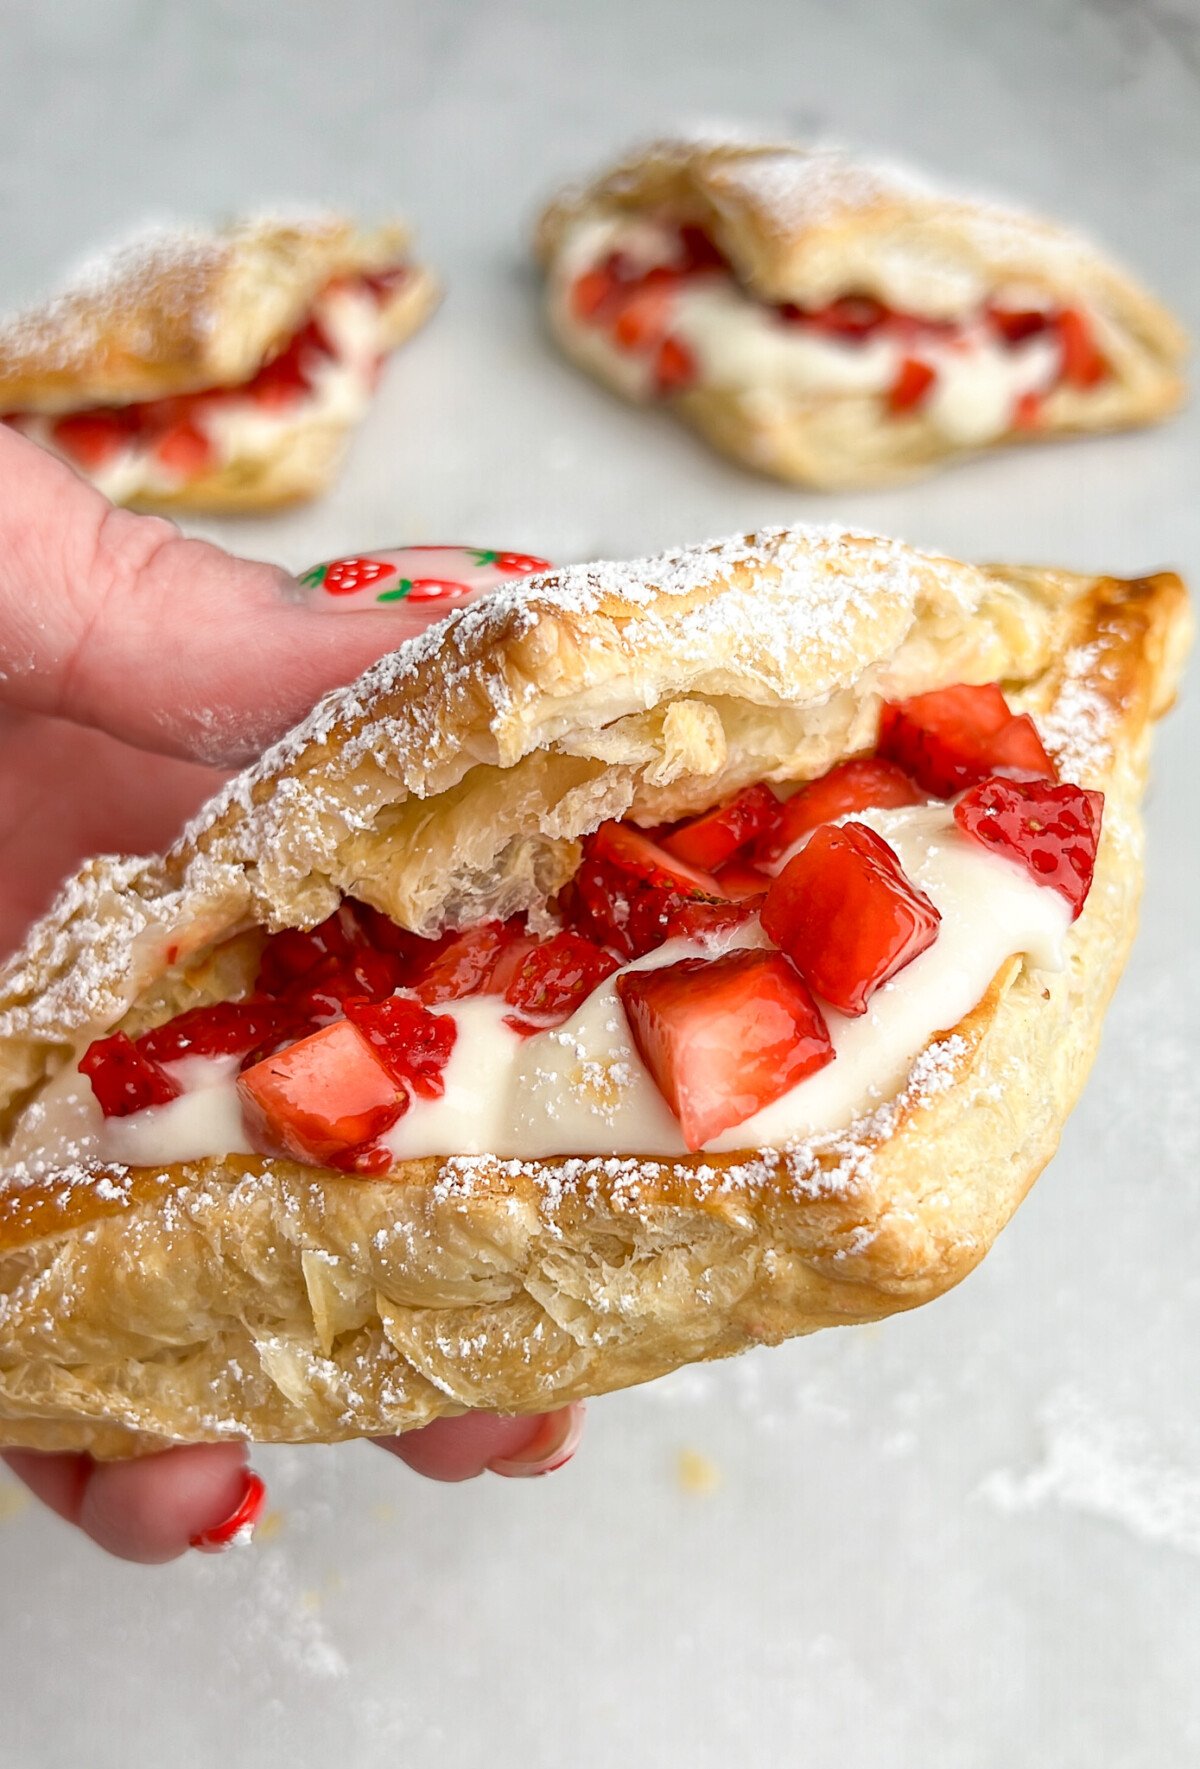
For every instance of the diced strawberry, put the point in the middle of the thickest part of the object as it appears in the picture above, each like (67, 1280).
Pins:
(1015, 324)
(184, 449)
(708, 841)
(911, 386)
(861, 784)
(675, 367)
(847, 916)
(698, 250)
(623, 846)
(413, 1044)
(1053, 831)
(465, 964)
(952, 737)
(850, 318)
(1027, 412)
(1082, 364)
(296, 953)
(741, 881)
(554, 978)
(387, 936)
(591, 292)
(684, 919)
(724, 1037)
(123, 1079)
(93, 438)
(321, 1100)
(644, 316)
(226, 1028)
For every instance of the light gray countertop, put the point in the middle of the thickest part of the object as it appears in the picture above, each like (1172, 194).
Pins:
(965, 1539)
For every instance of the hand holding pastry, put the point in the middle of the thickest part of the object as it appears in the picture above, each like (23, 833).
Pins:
(132, 664)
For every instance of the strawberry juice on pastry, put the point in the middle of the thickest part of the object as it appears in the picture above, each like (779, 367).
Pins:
(752, 976)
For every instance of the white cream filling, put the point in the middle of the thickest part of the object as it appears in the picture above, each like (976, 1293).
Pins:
(743, 344)
(582, 1089)
(241, 428)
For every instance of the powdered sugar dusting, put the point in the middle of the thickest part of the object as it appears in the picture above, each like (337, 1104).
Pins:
(1080, 726)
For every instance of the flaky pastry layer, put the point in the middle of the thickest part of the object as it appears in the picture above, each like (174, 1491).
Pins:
(251, 1297)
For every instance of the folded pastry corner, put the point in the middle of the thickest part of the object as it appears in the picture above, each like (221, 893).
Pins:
(649, 961)
(838, 323)
(216, 370)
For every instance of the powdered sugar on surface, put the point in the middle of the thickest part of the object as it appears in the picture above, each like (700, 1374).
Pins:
(1110, 1468)
(1079, 727)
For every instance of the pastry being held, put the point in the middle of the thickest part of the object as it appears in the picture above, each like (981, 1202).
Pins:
(217, 370)
(836, 323)
(501, 1039)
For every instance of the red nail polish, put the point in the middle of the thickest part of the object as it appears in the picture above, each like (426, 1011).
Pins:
(239, 1525)
(552, 1446)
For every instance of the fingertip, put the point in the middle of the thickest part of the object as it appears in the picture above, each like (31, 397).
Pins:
(152, 1510)
(476, 1443)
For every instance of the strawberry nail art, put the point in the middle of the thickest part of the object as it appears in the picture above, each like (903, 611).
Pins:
(419, 583)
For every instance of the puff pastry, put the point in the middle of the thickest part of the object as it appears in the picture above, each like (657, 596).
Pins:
(216, 371)
(836, 323)
(257, 1296)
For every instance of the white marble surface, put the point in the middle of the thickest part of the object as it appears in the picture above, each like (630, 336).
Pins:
(967, 1539)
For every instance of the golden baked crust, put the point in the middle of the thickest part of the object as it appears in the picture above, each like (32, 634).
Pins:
(806, 225)
(259, 1298)
(184, 312)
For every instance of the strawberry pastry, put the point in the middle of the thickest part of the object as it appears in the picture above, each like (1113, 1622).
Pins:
(837, 323)
(217, 371)
(644, 962)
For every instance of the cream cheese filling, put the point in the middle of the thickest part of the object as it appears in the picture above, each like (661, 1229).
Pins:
(582, 1089)
(745, 346)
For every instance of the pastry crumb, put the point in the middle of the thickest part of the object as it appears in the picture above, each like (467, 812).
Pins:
(697, 1474)
(270, 1527)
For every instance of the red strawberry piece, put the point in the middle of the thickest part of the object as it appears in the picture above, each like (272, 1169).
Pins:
(1053, 831)
(344, 576)
(226, 1028)
(1015, 325)
(1082, 364)
(321, 1099)
(465, 963)
(952, 737)
(724, 1037)
(590, 294)
(912, 385)
(847, 916)
(184, 449)
(623, 846)
(698, 250)
(684, 919)
(742, 882)
(381, 931)
(93, 438)
(554, 978)
(644, 316)
(520, 563)
(675, 368)
(710, 840)
(123, 1079)
(850, 318)
(413, 1044)
(1027, 412)
(861, 784)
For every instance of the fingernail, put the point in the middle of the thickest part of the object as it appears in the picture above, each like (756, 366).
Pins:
(551, 1446)
(239, 1525)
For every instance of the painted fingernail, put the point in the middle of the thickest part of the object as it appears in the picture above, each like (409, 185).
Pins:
(239, 1525)
(551, 1446)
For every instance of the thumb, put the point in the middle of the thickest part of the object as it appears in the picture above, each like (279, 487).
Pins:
(116, 621)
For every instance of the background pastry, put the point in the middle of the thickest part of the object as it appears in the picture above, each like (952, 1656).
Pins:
(837, 323)
(216, 371)
(377, 1270)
